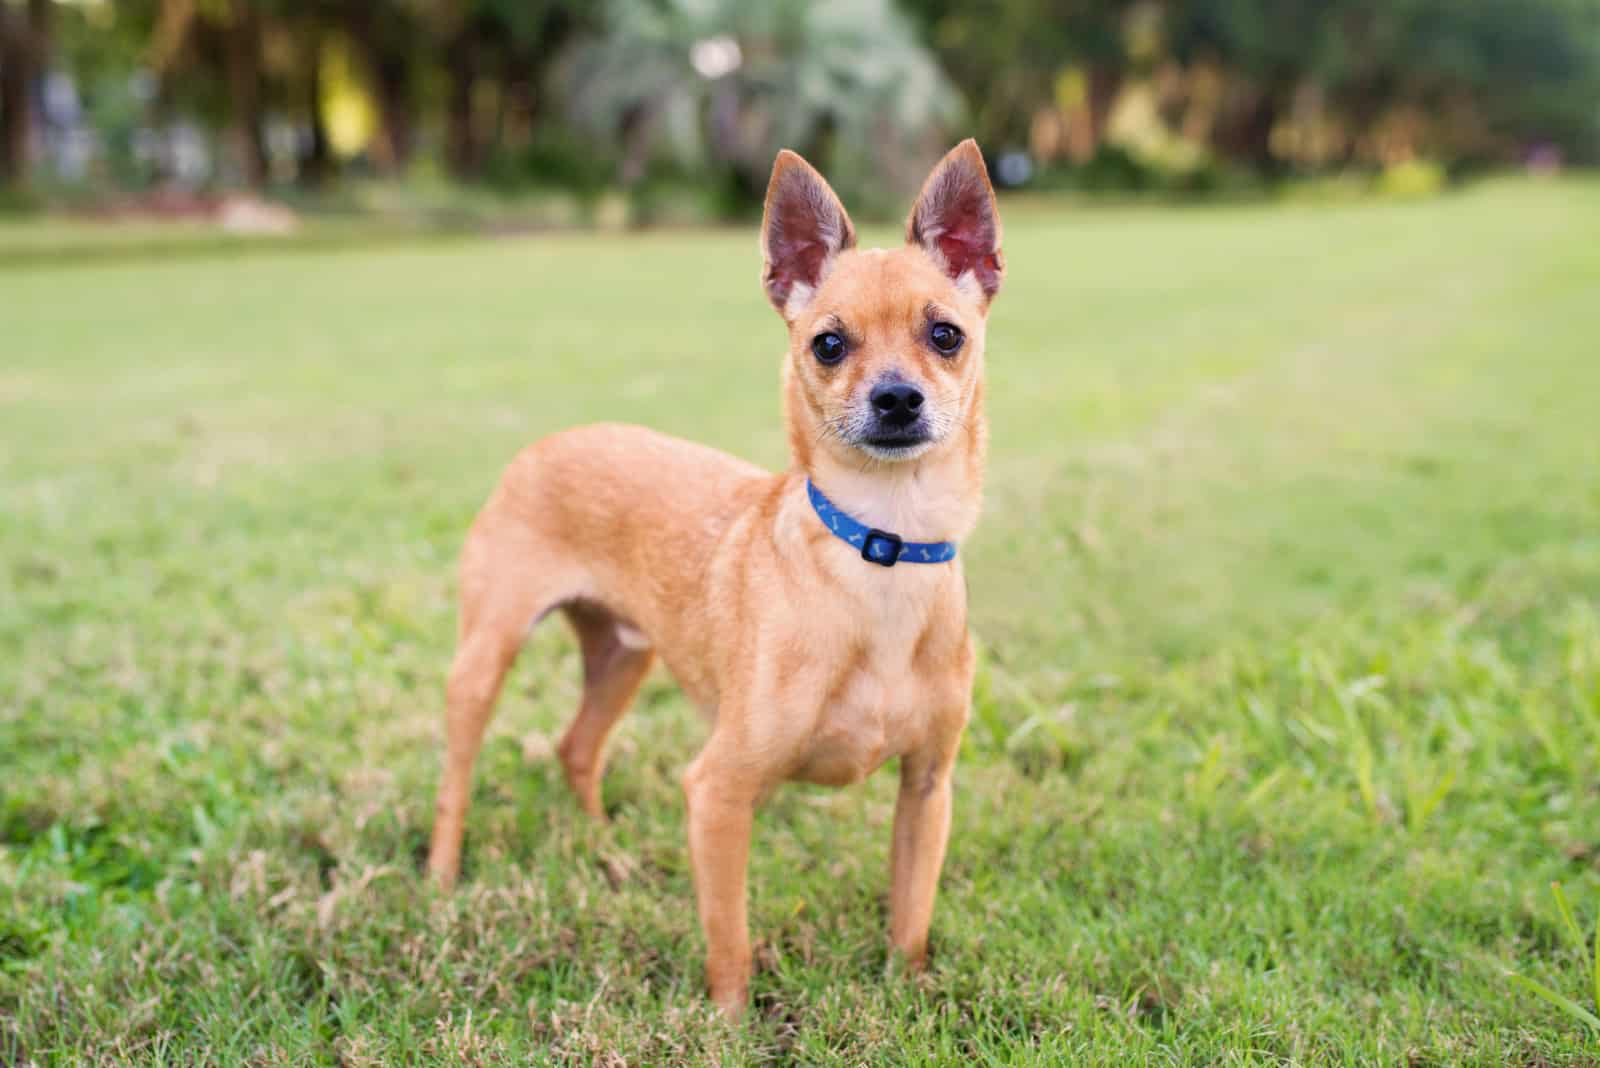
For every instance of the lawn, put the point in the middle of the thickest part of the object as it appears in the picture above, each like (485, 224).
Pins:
(1288, 592)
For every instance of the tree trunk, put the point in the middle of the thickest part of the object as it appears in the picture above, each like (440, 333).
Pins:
(244, 89)
(24, 44)
(1247, 136)
(519, 104)
(391, 84)
(637, 126)
(383, 46)
(1256, 134)
(15, 103)
(461, 141)
(528, 70)
(1105, 82)
(319, 157)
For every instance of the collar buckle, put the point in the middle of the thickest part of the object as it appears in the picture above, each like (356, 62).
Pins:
(881, 547)
(876, 546)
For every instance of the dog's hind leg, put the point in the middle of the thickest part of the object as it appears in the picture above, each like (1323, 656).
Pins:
(616, 658)
(502, 596)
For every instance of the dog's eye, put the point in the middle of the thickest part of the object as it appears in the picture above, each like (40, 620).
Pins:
(829, 348)
(946, 338)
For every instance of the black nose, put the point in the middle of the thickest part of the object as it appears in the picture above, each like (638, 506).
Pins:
(897, 403)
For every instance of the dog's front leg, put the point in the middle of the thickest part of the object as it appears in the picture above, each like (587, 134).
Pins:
(921, 828)
(722, 804)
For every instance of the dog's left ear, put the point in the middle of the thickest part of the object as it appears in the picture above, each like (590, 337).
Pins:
(956, 222)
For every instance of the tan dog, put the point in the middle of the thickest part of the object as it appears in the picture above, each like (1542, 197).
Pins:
(811, 660)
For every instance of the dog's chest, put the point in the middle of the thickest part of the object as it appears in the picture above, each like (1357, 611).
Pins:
(880, 706)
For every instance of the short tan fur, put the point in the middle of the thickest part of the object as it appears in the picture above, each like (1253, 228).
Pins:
(809, 662)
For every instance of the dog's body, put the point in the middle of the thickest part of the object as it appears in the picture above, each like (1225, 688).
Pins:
(811, 662)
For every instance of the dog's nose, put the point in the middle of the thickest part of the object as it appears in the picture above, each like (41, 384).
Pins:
(897, 403)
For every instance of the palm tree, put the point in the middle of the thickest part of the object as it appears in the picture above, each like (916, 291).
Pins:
(726, 83)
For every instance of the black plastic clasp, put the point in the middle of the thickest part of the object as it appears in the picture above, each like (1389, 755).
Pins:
(887, 558)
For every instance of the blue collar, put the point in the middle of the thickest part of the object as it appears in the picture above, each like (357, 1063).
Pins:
(877, 546)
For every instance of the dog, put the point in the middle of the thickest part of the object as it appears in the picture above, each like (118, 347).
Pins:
(818, 617)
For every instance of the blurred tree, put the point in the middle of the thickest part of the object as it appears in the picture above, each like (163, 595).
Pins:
(316, 41)
(1525, 69)
(242, 32)
(720, 84)
(1504, 69)
(24, 53)
(312, 30)
(244, 58)
(1270, 46)
(728, 83)
(103, 49)
(391, 37)
(1010, 56)
(1470, 72)
(201, 39)
(498, 55)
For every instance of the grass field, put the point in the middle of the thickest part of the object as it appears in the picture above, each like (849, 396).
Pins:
(1288, 590)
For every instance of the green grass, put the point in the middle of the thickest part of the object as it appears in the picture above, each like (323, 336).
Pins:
(52, 241)
(1288, 590)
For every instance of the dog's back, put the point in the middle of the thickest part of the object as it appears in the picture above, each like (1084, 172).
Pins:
(619, 518)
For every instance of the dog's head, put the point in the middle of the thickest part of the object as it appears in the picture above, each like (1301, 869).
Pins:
(885, 345)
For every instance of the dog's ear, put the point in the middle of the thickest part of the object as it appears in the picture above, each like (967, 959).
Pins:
(956, 222)
(803, 229)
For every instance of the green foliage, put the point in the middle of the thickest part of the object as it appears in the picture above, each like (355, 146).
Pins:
(1511, 71)
(1592, 956)
(845, 81)
(1006, 55)
(1288, 591)
(17, 201)
(544, 92)
(1114, 170)
(1495, 75)
(555, 157)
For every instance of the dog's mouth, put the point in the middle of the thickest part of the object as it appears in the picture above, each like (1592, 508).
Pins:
(904, 444)
(899, 441)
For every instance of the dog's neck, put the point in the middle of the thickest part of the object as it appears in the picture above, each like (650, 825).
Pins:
(933, 498)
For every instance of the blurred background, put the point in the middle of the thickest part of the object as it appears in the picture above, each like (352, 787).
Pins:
(1287, 591)
(534, 113)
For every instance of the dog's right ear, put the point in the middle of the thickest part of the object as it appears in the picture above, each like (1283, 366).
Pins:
(803, 229)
